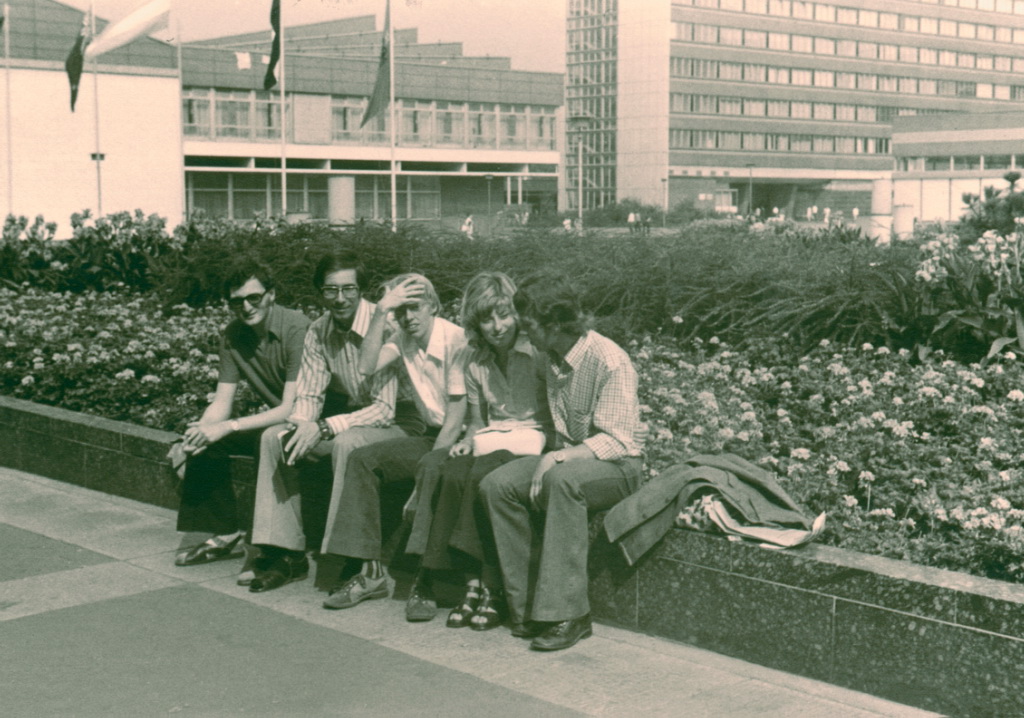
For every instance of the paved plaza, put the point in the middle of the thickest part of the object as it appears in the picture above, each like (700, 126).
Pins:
(95, 620)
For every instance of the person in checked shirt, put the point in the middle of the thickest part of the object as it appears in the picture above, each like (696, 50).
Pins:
(337, 409)
(592, 393)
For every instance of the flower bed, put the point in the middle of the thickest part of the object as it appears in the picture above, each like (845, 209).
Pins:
(910, 460)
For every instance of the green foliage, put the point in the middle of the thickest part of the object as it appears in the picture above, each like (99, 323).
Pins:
(115, 251)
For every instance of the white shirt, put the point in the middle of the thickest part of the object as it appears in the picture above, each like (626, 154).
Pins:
(438, 372)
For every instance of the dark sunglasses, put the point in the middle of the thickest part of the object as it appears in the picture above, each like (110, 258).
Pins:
(254, 299)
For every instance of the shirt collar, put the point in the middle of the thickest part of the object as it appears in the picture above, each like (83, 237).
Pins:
(438, 339)
(274, 323)
(523, 345)
(575, 356)
(360, 322)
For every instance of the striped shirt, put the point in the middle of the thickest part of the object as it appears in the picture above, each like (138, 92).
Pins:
(330, 363)
(592, 395)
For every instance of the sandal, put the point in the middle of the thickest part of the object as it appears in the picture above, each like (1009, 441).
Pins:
(213, 549)
(490, 613)
(461, 614)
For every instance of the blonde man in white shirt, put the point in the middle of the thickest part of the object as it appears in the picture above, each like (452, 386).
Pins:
(431, 352)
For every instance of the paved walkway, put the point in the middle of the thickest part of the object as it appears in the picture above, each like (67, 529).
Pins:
(95, 620)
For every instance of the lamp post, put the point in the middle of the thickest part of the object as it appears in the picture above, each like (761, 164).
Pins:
(750, 189)
(489, 178)
(578, 123)
(664, 214)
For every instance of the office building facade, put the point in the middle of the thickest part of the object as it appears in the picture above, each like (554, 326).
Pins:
(750, 105)
(474, 136)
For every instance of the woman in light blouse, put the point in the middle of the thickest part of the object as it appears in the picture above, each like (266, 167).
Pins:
(507, 412)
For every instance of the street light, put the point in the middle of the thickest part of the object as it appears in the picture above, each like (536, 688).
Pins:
(664, 214)
(489, 178)
(750, 188)
(578, 123)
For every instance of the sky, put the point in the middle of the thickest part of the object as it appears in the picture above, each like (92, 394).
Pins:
(531, 32)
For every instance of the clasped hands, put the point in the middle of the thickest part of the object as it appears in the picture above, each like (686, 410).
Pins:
(198, 436)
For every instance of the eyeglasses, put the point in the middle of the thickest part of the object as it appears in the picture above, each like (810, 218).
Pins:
(349, 290)
(253, 299)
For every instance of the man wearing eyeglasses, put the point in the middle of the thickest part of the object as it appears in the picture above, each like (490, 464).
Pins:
(337, 409)
(263, 345)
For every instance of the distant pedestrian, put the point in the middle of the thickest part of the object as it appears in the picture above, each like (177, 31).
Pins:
(631, 222)
(567, 225)
(467, 227)
(645, 222)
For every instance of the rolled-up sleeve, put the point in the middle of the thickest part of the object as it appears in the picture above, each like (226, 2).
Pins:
(312, 381)
(616, 415)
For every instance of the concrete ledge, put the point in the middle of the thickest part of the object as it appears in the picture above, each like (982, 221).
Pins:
(940, 640)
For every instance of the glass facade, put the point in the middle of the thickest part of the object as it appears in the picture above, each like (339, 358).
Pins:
(256, 117)
(244, 195)
(590, 98)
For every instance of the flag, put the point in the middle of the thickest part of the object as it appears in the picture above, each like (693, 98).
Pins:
(75, 62)
(382, 87)
(269, 80)
(243, 60)
(152, 16)
(2, 17)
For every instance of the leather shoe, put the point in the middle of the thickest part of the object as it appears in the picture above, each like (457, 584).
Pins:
(283, 570)
(420, 606)
(528, 629)
(564, 634)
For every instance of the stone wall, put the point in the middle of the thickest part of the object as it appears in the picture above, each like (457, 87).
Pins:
(941, 640)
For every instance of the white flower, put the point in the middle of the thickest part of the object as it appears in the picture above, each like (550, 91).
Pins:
(866, 347)
(677, 319)
(1000, 504)
(917, 481)
(1016, 395)
(888, 513)
(882, 350)
(126, 374)
(842, 466)
(987, 442)
(1005, 476)
(28, 380)
(850, 501)
(978, 382)
(802, 454)
(866, 476)
(726, 433)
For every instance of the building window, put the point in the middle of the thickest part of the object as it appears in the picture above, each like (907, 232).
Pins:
(997, 162)
(800, 110)
(824, 78)
(778, 108)
(232, 114)
(730, 141)
(778, 75)
(778, 41)
(730, 36)
(971, 162)
(482, 120)
(267, 116)
(867, 50)
(754, 73)
(195, 113)
(801, 77)
(754, 108)
(802, 43)
(755, 38)
(451, 124)
(730, 106)
(824, 144)
(866, 113)
(824, 111)
(846, 80)
(753, 141)
(800, 143)
(824, 46)
(846, 113)
(846, 48)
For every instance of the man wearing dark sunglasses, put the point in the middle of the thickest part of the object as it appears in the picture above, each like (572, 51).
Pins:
(262, 345)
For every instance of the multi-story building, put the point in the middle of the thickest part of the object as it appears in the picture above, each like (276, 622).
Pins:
(474, 136)
(942, 159)
(773, 104)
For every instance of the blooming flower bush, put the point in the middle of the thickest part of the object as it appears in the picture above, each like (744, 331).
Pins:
(910, 460)
(108, 354)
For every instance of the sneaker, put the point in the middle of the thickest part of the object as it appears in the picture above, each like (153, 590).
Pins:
(356, 590)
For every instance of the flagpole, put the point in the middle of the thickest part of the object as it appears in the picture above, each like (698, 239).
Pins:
(7, 102)
(96, 116)
(181, 123)
(284, 113)
(391, 118)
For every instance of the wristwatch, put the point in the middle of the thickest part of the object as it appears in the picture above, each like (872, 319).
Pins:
(235, 426)
(325, 430)
(558, 456)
